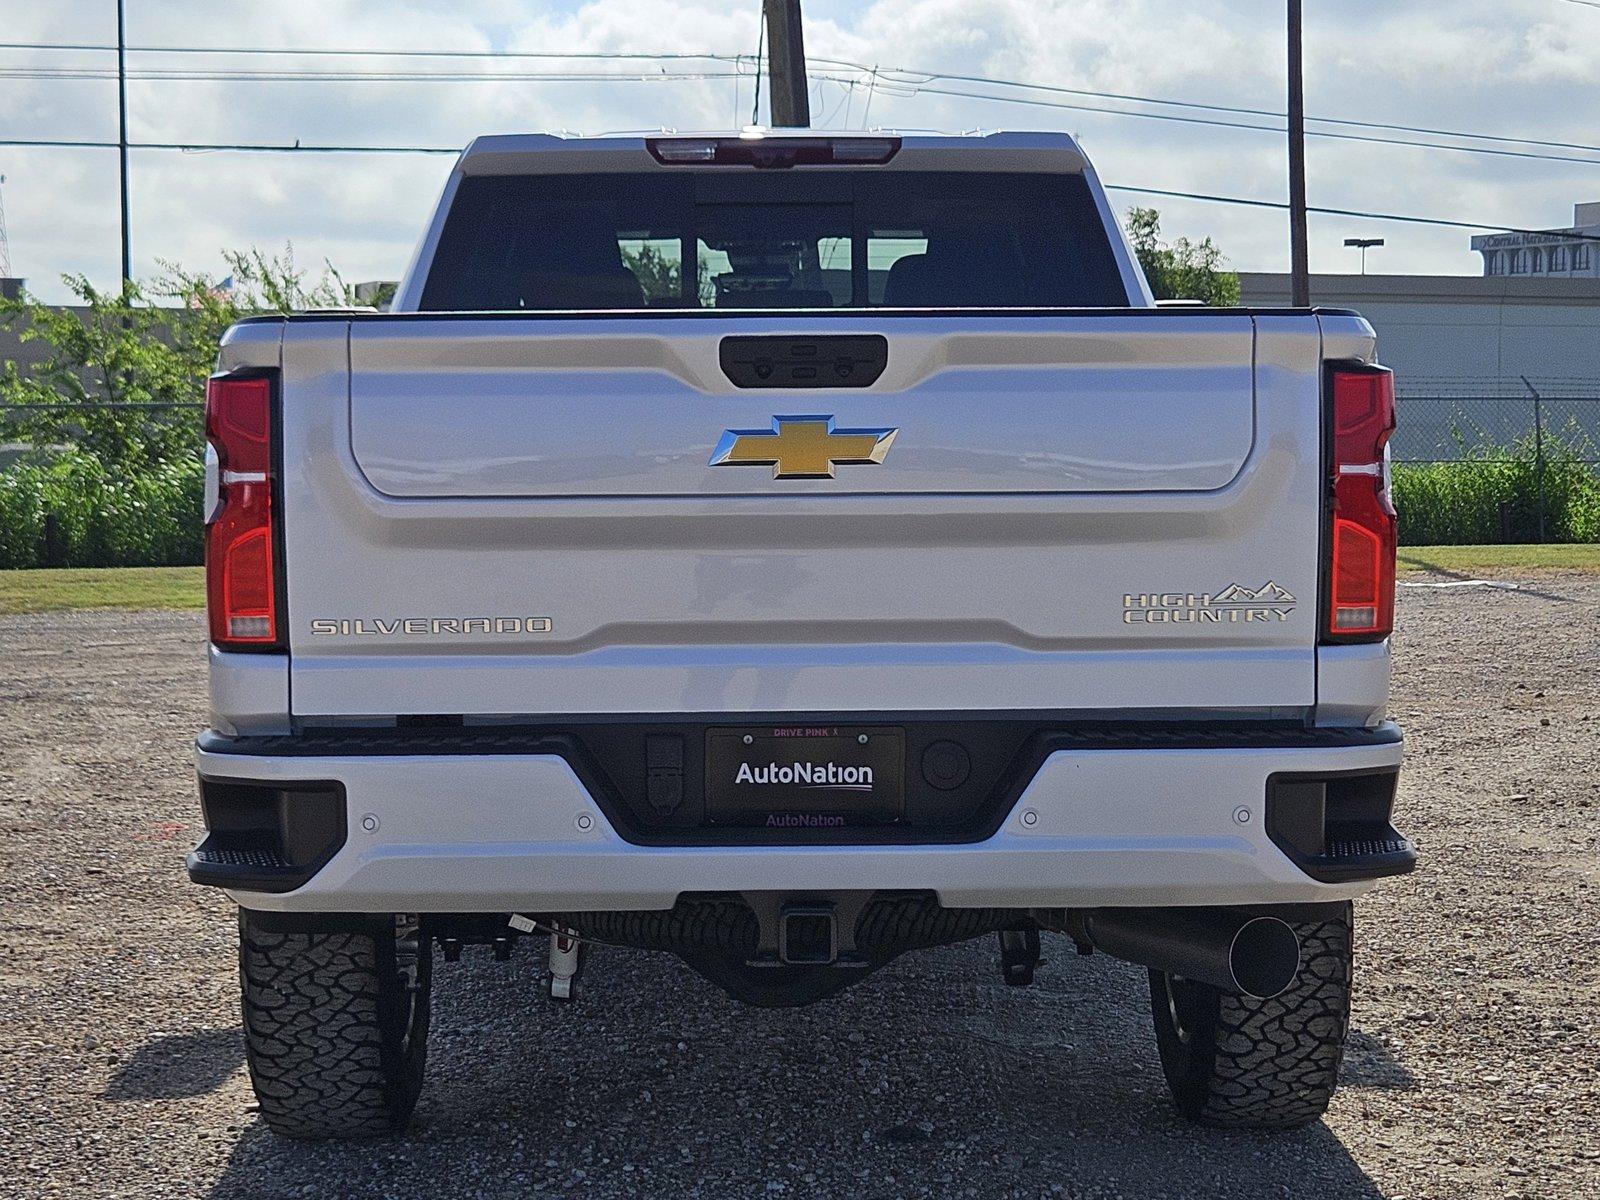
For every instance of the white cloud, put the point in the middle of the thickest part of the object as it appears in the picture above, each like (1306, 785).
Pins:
(1520, 67)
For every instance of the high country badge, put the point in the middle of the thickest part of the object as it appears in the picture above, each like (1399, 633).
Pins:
(1233, 605)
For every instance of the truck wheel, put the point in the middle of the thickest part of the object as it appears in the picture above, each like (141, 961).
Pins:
(336, 1026)
(1239, 1063)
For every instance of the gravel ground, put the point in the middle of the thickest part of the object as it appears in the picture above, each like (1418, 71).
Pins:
(1473, 1070)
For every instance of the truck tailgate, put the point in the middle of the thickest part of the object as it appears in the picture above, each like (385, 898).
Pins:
(531, 408)
(519, 516)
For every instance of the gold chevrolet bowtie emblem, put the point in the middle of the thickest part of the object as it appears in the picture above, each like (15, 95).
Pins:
(802, 447)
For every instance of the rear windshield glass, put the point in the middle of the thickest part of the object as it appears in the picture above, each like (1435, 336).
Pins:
(773, 239)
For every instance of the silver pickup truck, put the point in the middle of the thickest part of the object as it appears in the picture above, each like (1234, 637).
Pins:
(788, 551)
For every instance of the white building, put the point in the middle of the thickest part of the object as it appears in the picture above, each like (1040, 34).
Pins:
(1566, 253)
(1464, 330)
(1468, 352)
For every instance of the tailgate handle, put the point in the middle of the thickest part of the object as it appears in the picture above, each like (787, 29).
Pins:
(829, 361)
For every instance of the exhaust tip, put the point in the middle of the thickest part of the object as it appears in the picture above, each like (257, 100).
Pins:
(1264, 957)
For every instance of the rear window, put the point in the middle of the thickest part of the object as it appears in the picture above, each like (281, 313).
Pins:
(773, 239)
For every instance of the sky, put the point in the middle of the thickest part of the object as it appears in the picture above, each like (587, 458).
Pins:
(1521, 69)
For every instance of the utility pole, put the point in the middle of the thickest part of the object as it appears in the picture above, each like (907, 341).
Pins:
(1299, 255)
(122, 133)
(786, 65)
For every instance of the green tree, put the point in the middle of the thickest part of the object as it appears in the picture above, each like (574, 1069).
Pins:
(120, 370)
(1183, 270)
(660, 277)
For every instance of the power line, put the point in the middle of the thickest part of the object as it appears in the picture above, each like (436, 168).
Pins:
(903, 88)
(1322, 133)
(1244, 201)
(893, 80)
(905, 77)
(240, 147)
(190, 75)
(1236, 110)
(334, 52)
(1360, 214)
(1215, 122)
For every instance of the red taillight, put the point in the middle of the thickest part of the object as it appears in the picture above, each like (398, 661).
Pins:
(1362, 537)
(241, 573)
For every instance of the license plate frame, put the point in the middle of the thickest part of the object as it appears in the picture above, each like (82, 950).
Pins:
(805, 776)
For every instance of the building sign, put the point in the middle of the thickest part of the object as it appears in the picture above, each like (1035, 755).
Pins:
(1508, 241)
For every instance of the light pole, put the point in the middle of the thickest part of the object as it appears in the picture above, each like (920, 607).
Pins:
(1363, 245)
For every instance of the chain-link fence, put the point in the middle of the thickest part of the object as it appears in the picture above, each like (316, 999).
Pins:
(1442, 421)
(1498, 460)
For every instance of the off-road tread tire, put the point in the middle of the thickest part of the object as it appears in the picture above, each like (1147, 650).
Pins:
(725, 924)
(1265, 1064)
(711, 924)
(325, 1018)
(895, 924)
(887, 926)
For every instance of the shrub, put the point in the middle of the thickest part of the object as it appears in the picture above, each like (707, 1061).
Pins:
(103, 518)
(1492, 495)
(122, 375)
(119, 384)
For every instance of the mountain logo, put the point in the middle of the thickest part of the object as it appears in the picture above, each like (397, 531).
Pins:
(1268, 593)
(1235, 593)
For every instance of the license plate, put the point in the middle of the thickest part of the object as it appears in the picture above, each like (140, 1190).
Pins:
(805, 777)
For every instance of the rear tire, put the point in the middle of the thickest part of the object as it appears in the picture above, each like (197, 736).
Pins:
(1238, 1063)
(336, 1026)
